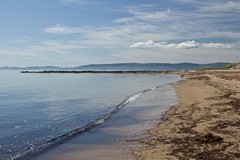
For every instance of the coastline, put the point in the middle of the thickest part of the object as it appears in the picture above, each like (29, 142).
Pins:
(118, 137)
(204, 125)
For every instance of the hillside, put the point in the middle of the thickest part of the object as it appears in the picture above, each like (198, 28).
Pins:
(150, 66)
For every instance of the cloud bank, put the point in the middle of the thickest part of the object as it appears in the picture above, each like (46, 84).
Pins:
(182, 45)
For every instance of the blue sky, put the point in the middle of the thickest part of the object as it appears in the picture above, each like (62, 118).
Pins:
(78, 32)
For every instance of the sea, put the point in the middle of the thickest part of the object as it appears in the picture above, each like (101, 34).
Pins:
(40, 111)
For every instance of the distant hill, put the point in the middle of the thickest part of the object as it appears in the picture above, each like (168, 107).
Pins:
(150, 66)
(127, 66)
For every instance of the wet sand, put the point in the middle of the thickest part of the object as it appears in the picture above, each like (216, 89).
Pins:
(204, 125)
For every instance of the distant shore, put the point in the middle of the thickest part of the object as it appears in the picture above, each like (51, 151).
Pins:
(205, 124)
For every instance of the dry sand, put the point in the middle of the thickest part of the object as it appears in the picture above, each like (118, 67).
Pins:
(205, 124)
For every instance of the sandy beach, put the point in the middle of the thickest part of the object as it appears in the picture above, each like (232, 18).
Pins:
(204, 125)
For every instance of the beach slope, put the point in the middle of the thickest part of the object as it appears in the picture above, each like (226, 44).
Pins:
(204, 125)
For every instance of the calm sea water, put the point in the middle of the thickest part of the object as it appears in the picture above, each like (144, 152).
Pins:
(37, 110)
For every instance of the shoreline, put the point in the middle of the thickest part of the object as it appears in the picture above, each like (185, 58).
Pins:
(204, 125)
(118, 137)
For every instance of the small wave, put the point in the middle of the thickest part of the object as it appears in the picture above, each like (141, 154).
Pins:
(61, 138)
(133, 97)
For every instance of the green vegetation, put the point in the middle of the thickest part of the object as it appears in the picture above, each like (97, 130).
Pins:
(231, 66)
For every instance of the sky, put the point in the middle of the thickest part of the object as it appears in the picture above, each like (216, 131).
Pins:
(70, 33)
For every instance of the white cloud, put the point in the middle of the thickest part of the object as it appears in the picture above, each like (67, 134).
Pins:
(136, 15)
(101, 37)
(157, 15)
(222, 6)
(152, 44)
(182, 45)
(61, 29)
(147, 44)
(216, 45)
